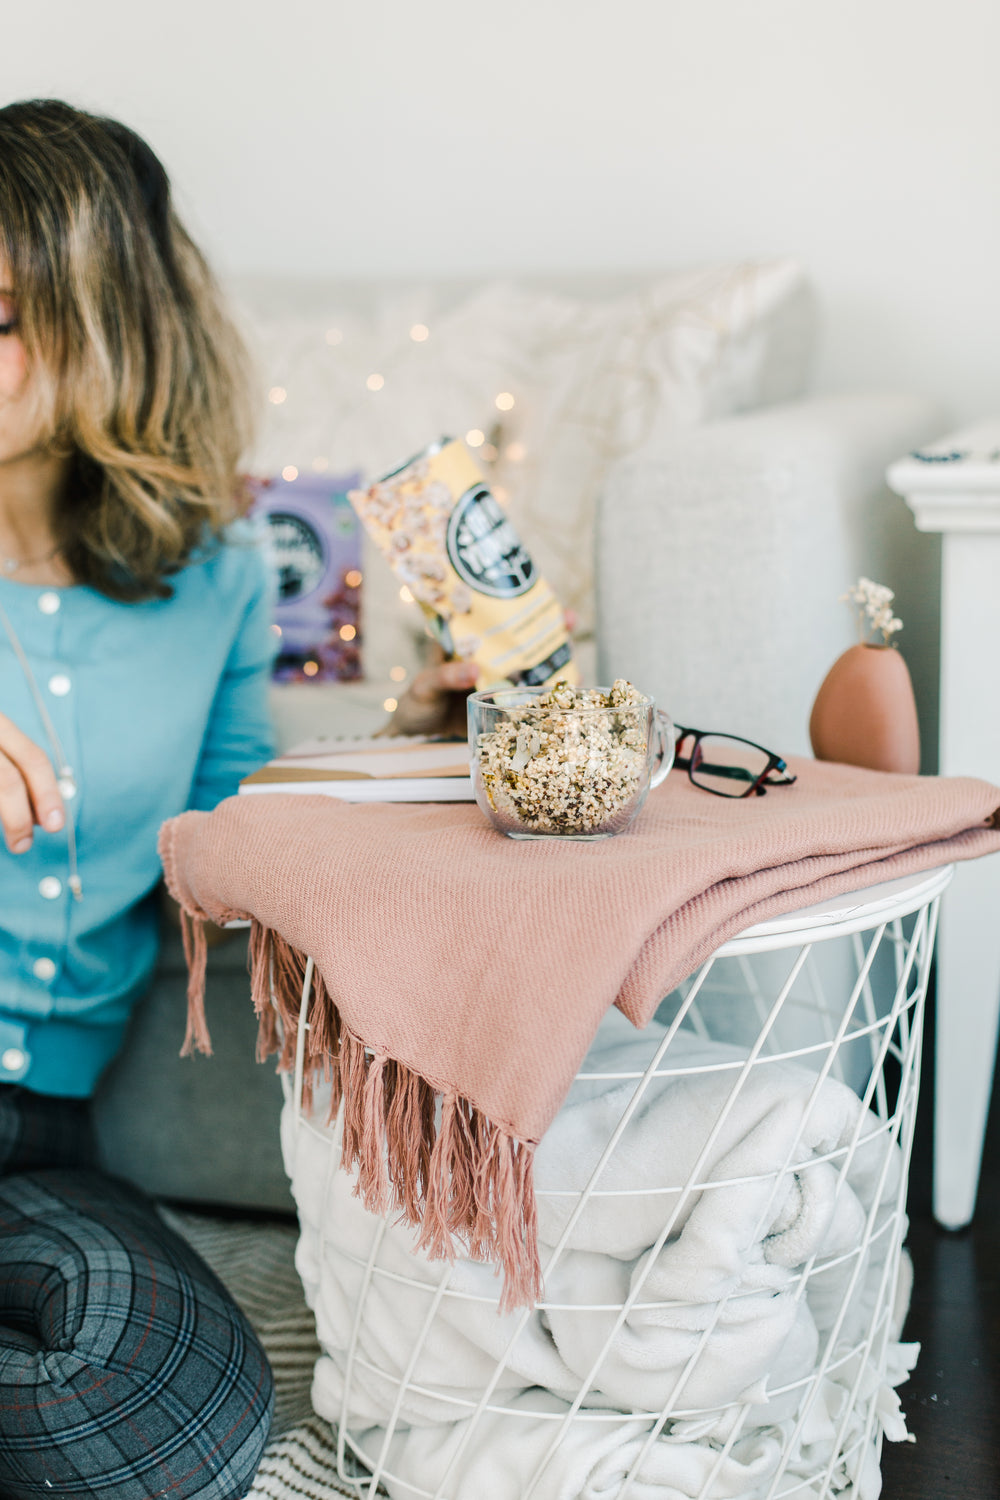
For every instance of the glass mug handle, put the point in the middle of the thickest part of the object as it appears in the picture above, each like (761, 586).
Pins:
(666, 744)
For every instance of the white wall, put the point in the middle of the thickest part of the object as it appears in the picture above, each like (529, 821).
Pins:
(435, 136)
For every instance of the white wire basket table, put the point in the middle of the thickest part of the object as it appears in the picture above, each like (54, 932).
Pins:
(722, 1218)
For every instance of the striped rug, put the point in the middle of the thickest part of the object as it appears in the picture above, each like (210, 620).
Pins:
(255, 1260)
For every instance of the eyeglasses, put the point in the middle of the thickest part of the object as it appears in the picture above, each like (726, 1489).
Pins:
(729, 766)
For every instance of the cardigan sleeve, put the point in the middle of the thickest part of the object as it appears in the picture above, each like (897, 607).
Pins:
(240, 737)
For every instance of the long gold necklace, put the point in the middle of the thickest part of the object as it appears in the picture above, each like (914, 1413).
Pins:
(64, 771)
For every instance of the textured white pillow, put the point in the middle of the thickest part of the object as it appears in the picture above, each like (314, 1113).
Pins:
(601, 376)
(354, 384)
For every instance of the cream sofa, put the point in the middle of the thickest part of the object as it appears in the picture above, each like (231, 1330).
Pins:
(700, 512)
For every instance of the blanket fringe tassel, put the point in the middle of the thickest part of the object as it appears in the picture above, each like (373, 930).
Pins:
(450, 1172)
(196, 1037)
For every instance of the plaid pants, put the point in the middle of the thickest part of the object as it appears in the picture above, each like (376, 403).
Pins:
(126, 1371)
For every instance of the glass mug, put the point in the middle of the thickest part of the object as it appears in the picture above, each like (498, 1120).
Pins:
(540, 771)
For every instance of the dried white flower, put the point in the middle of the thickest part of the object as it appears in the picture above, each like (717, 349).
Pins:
(874, 602)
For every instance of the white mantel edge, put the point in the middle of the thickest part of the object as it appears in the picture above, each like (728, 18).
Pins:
(937, 509)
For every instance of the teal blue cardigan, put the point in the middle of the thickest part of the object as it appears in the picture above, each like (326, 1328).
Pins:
(160, 706)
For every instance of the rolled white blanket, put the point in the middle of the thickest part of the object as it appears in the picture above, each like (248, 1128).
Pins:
(512, 1450)
(591, 1465)
(670, 1297)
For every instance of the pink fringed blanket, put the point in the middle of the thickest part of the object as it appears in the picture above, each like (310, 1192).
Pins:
(451, 961)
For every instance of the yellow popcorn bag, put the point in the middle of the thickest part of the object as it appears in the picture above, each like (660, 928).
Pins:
(450, 542)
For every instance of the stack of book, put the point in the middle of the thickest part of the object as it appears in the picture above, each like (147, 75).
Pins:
(403, 768)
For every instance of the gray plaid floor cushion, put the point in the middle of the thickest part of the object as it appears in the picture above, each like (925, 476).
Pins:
(125, 1371)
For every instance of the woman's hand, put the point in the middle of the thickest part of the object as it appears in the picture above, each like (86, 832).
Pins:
(434, 702)
(29, 792)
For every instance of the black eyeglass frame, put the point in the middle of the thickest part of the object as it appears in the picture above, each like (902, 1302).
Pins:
(776, 768)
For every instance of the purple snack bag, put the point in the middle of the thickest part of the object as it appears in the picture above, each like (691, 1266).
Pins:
(313, 542)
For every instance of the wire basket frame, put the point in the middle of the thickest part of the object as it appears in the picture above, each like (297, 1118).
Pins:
(485, 1425)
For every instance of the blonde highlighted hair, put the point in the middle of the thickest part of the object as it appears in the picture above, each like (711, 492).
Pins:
(143, 378)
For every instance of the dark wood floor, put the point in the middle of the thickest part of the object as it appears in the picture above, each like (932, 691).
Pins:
(952, 1400)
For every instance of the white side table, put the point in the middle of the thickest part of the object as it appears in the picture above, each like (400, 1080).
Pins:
(840, 1393)
(953, 487)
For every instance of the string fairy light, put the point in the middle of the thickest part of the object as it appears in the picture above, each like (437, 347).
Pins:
(347, 632)
(488, 443)
(389, 704)
(353, 579)
(405, 595)
(397, 674)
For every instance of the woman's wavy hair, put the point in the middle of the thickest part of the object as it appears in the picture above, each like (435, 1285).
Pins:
(143, 380)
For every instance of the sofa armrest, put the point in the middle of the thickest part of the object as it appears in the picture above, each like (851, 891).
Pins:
(722, 552)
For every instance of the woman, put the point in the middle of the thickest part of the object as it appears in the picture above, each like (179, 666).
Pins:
(134, 657)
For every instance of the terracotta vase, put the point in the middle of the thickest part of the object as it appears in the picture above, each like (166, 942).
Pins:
(865, 713)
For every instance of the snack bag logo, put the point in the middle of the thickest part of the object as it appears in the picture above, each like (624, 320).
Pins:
(484, 548)
(298, 555)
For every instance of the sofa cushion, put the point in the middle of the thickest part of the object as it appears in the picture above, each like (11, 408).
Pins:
(601, 375)
(199, 1130)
